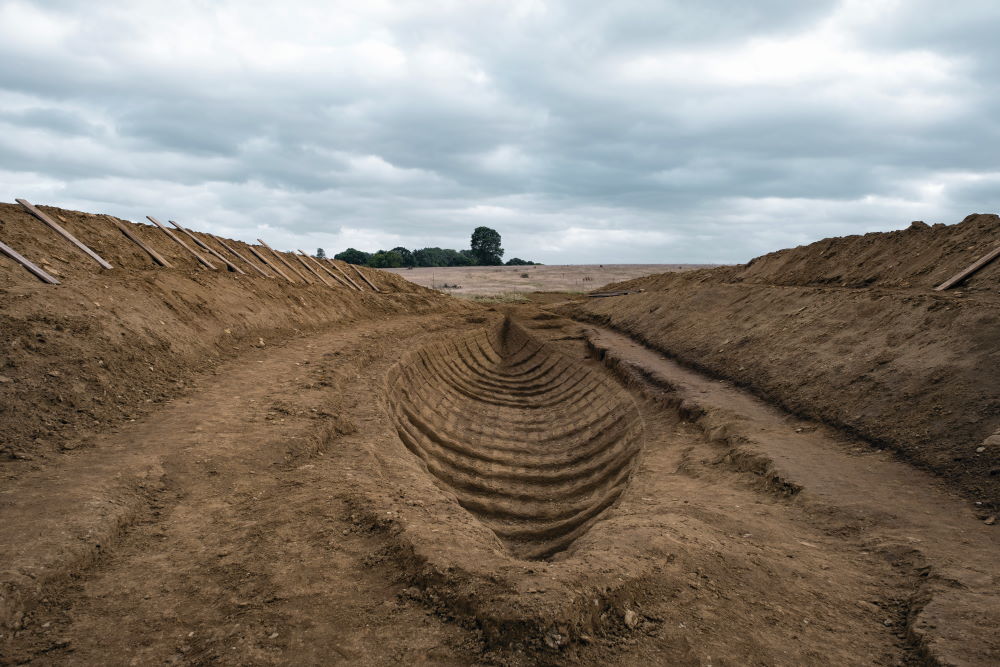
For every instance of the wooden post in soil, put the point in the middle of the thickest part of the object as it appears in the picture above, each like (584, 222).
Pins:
(63, 233)
(30, 266)
(233, 251)
(285, 262)
(229, 265)
(271, 265)
(346, 277)
(302, 258)
(365, 278)
(157, 257)
(969, 270)
(340, 281)
(181, 243)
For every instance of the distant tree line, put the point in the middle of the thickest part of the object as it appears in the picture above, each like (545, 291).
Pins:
(484, 250)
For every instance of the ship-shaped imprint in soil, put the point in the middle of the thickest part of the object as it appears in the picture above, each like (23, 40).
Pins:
(533, 444)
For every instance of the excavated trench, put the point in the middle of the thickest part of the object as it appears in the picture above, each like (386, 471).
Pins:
(531, 443)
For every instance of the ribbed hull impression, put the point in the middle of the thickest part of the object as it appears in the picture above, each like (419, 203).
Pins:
(532, 444)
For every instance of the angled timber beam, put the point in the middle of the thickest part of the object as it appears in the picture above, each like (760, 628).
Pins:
(969, 270)
(157, 257)
(229, 265)
(63, 233)
(282, 256)
(285, 262)
(245, 260)
(181, 243)
(302, 258)
(346, 277)
(30, 266)
(271, 265)
(340, 281)
(365, 278)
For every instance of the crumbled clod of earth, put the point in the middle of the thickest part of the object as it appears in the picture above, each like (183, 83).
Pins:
(789, 462)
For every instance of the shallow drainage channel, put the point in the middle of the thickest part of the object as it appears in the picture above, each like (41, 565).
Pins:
(531, 443)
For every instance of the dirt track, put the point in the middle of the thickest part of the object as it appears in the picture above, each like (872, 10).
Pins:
(319, 499)
(275, 522)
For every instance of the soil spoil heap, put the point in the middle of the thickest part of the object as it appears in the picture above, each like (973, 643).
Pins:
(849, 331)
(105, 346)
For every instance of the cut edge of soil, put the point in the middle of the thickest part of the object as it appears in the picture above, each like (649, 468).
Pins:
(489, 603)
(118, 507)
(741, 453)
(487, 594)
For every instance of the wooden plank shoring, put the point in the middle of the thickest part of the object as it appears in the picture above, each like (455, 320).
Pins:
(157, 257)
(969, 270)
(365, 278)
(340, 281)
(271, 265)
(346, 277)
(180, 242)
(285, 262)
(233, 251)
(302, 258)
(26, 263)
(204, 246)
(63, 233)
(282, 256)
(309, 268)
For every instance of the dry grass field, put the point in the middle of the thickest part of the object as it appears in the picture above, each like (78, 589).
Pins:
(492, 280)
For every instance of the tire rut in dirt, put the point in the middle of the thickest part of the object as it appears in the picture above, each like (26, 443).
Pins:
(531, 443)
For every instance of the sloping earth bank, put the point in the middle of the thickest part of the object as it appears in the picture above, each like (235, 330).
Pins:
(105, 346)
(849, 331)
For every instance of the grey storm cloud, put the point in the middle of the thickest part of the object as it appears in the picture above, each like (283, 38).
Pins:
(582, 131)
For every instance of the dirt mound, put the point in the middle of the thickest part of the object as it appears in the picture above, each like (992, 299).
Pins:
(552, 446)
(888, 359)
(919, 256)
(105, 346)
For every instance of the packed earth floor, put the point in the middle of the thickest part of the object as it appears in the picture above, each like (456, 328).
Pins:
(399, 477)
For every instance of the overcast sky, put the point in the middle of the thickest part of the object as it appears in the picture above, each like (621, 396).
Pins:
(624, 131)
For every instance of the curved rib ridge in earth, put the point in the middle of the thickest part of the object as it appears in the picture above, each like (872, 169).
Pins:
(531, 443)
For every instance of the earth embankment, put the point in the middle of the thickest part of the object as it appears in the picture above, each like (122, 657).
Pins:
(849, 331)
(105, 346)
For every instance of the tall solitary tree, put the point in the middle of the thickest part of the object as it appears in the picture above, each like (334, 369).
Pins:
(486, 246)
(321, 253)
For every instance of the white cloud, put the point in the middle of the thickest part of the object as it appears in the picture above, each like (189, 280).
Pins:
(374, 168)
(28, 28)
(506, 158)
(582, 131)
(826, 60)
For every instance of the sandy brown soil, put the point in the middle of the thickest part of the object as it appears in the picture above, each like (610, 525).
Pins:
(404, 478)
(492, 280)
(106, 346)
(878, 353)
(283, 522)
